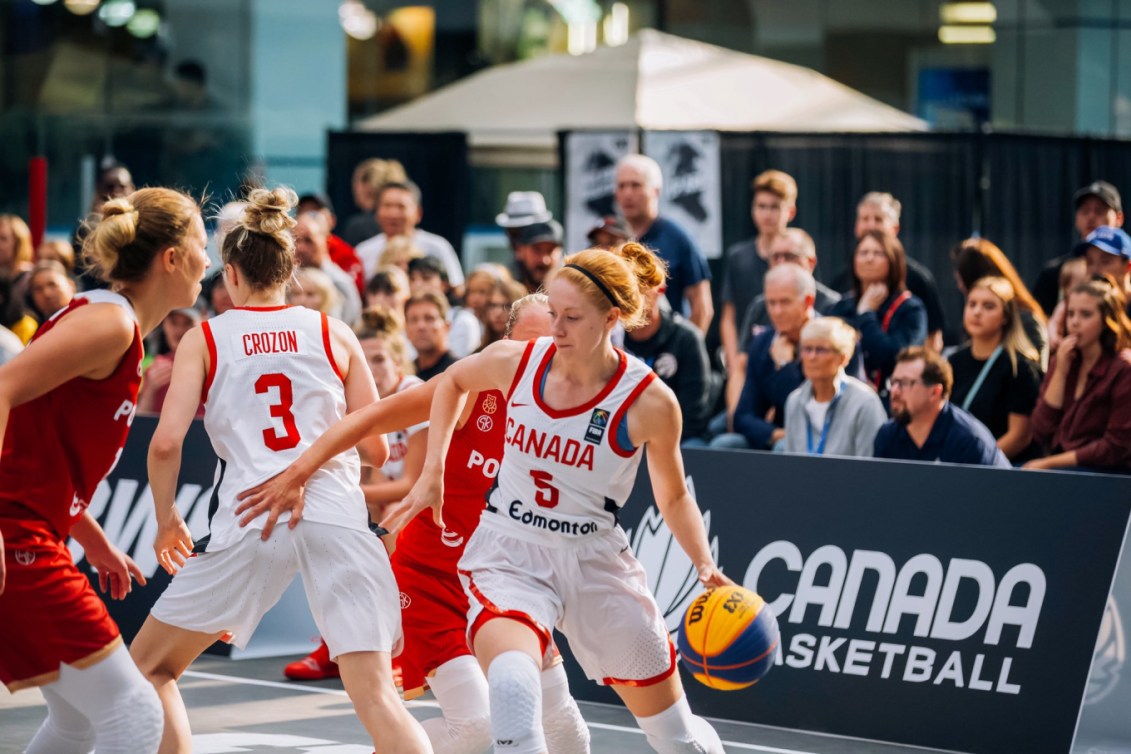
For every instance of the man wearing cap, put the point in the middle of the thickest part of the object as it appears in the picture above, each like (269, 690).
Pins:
(398, 214)
(639, 182)
(1107, 251)
(341, 253)
(1096, 204)
(523, 208)
(537, 253)
(609, 232)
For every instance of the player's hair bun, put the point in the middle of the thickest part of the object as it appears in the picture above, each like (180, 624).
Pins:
(651, 271)
(268, 212)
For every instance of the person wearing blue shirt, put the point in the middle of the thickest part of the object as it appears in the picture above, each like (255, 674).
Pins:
(773, 363)
(639, 181)
(925, 425)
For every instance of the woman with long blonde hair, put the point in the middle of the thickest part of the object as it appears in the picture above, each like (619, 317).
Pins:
(997, 373)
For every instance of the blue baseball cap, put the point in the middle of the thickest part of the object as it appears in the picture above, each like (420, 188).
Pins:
(1108, 239)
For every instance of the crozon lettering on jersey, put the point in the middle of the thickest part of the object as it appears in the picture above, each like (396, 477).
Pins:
(549, 447)
(922, 591)
(284, 341)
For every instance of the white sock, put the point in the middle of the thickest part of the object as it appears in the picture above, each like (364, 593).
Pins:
(461, 690)
(565, 728)
(677, 731)
(516, 704)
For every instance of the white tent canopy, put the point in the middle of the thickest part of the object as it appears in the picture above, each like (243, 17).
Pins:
(655, 81)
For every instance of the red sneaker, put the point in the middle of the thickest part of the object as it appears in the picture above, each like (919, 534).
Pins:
(317, 666)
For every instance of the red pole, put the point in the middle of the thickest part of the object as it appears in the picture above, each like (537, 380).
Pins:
(37, 198)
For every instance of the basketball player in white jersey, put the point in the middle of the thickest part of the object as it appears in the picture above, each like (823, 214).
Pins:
(548, 551)
(272, 379)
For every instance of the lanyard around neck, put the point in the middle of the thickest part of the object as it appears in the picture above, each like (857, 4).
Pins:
(820, 447)
(981, 377)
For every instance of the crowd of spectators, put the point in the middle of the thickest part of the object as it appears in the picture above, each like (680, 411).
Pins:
(1039, 378)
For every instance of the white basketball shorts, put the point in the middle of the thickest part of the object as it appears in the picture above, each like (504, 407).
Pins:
(593, 591)
(346, 574)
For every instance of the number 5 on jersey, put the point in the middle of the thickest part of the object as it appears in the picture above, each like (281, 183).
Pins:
(281, 410)
(547, 494)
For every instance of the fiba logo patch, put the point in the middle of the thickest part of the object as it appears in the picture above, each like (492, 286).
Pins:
(405, 601)
(24, 557)
(1107, 662)
(484, 423)
(598, 420)
(671, 575)
(489, 405)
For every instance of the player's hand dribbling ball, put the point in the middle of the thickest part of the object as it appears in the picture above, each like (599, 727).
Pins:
(728, 638)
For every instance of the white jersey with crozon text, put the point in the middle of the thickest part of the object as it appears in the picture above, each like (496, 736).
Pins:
(272, 389)
(565, 472)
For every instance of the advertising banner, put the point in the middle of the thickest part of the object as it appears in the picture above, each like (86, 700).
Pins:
(939, 606)
(692, 190)
(590, 179)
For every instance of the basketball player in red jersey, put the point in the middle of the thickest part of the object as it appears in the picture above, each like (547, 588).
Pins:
(272, 379)
(548, 551)
(66, 405)
(434, 604)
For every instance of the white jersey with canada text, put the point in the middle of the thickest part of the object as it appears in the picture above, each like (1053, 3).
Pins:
(272, 389)
(565, 472)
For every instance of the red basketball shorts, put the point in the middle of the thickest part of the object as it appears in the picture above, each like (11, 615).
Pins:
(51, 615)
(434, 620)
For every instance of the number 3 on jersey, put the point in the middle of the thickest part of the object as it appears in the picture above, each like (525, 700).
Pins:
(281, 410)
(547, 495)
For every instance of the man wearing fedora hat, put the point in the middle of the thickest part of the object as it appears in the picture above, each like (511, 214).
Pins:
(535, 237)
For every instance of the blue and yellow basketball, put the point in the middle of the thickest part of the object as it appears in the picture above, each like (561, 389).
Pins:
(729, 638)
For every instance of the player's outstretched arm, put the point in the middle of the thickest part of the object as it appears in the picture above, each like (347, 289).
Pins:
(655, 419)
(173, 542)
(285, 490)
(491, 369)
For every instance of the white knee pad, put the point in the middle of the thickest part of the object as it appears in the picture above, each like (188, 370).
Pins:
(677, 731)
(461, 690)
(516, 704)
(120, 704)
(565, 728)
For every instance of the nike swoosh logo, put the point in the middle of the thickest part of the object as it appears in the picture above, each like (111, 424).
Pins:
(520, 405)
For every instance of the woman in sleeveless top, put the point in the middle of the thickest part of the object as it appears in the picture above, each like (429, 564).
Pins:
(272, 378)
(66, 404)
(548, 551)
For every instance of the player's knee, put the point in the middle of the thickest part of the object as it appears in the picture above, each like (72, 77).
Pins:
(516, 703)
(135, 722)
(677, 731)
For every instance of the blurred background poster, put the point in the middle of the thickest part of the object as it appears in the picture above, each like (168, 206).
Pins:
(691, 196)
(591, 161)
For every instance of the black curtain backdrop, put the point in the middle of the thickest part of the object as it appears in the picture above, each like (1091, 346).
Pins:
(1013, 189)
(436, 162)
